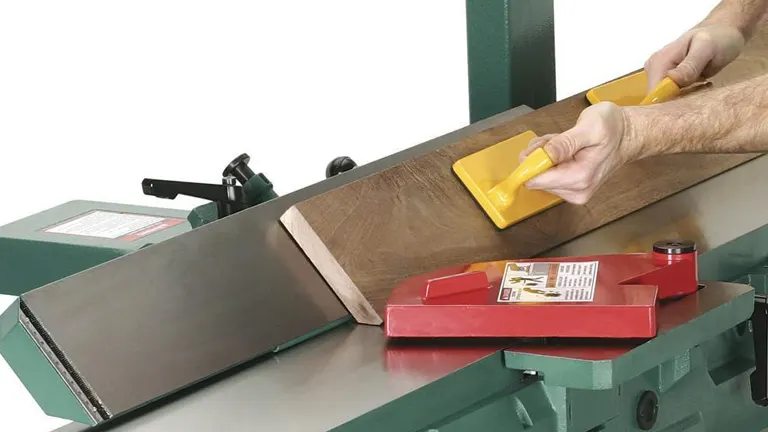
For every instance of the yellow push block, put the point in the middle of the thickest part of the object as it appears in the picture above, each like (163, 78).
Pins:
(495, 179)
(631, 90)
(666, 90)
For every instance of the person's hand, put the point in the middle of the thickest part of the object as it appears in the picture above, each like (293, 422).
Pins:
(583, 156)
(699, 53)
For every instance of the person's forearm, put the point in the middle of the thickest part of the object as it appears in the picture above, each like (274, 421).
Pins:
(731, 119)
(745, 15)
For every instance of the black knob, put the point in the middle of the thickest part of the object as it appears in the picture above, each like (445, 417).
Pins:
(339, 165)
(239, 169)
(674, 247)
(647, 410)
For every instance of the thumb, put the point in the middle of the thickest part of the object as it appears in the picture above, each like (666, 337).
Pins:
(657, 66)
(533, 145)
(564, 146)
(700, 53)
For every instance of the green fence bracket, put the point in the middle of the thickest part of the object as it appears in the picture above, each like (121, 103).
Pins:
(511, 55)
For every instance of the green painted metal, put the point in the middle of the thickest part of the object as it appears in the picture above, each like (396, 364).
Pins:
(511, 55)
(9, 318)
(666, 351)
(736, 258)
(705, 387)
(31, 258)
(526, 409)
(699, 372)
(257, 190)
(203, 214)
(35, 371)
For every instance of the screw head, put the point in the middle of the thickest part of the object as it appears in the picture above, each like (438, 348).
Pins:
(647, 410)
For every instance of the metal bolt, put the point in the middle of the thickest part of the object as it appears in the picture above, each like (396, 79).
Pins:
(647, 410)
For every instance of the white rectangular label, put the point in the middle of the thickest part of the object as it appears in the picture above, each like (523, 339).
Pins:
(548, 282)
(114, 225)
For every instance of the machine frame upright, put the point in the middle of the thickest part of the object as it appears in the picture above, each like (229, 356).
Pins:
(511, 55)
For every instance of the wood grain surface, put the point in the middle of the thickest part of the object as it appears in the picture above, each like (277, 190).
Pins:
(367, 236)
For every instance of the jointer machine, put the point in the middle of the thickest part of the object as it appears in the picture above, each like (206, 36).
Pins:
(146, 319)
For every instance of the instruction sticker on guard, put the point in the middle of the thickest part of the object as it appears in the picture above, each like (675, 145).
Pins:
(548, 282)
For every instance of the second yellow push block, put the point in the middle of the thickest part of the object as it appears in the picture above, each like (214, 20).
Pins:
(633, 90)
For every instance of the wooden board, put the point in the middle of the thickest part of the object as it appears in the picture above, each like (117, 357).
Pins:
(368, 235)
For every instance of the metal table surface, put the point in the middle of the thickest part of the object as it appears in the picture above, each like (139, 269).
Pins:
(315, 386)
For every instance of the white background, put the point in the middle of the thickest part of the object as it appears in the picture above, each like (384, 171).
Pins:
(96, 95)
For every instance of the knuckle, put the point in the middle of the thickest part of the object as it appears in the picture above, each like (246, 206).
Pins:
(649, 63)
(655, 58)
(704, 38)
(657, 55)
(688, 69)
(599, 128)
(548, 137)
(581, 198)
(664, 54)
(568, 144)
(649, 60)
(704, 53)
(535, 143)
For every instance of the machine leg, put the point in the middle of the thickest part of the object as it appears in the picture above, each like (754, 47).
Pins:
(759, 378)
(511, 55)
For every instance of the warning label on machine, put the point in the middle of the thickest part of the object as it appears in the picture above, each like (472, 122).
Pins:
(114, 225)
(548, 282)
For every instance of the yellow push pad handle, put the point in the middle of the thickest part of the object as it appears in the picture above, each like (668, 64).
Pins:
(666, 90)
(503, 194)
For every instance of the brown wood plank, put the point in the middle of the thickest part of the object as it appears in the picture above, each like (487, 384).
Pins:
(367, 236)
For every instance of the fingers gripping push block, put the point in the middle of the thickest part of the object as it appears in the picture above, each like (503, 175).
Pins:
(602, 296)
